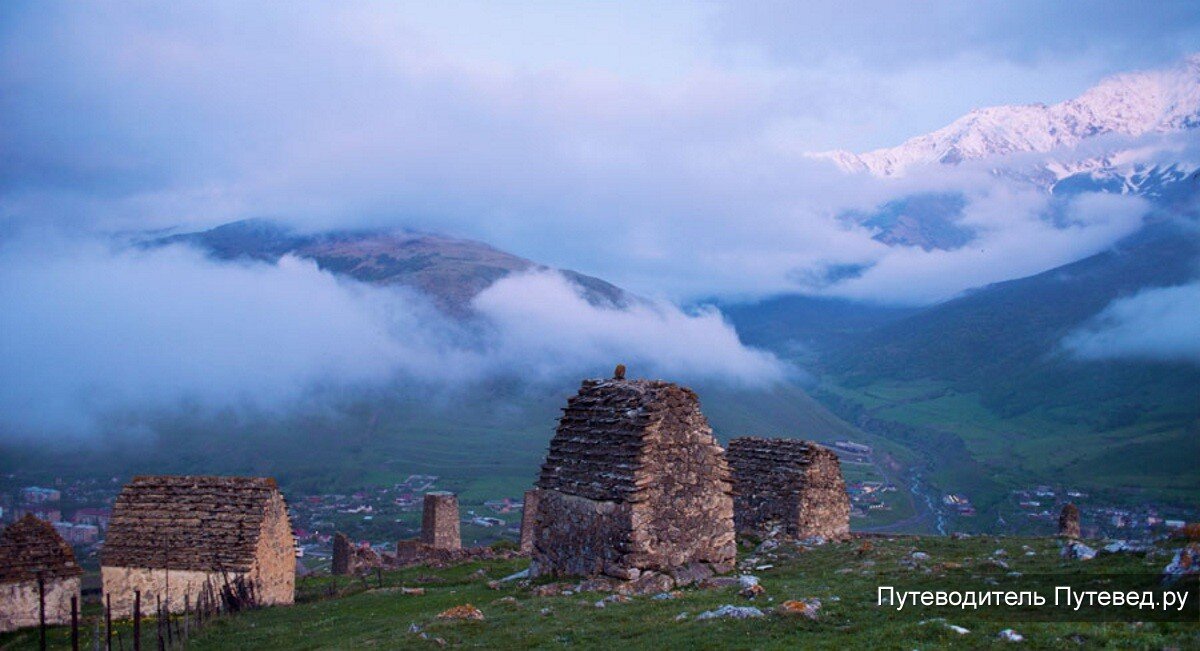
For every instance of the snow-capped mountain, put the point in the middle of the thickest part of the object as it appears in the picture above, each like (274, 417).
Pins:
(1131, 104)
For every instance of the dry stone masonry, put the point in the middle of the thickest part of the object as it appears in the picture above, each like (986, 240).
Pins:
(634, 486)
(439, 522)
(1068, 521)
(29, 549)
(528, 520)
(171, 535)
(788, 483)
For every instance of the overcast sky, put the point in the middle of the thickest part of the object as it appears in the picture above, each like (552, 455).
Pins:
(593, 136)
(660, 146)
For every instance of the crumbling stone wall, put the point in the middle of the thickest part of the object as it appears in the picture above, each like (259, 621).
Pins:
(31, 548)
(1068, 521)
(349, 558)
(529, 519)
(171, 535)
(790, 483)
(633, 483)
(439, 521)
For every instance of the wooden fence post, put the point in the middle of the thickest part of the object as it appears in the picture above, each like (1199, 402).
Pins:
(107, 622)
(41, 611)
(137, 620)
(74, 623)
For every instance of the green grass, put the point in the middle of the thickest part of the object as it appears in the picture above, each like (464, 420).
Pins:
(1148, 460)
(843, 576)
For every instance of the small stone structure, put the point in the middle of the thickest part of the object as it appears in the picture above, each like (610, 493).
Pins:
(634, 486)
(30, 548)
(171, 535)
(439, 522)
(790, 483)
(528, 519)
(1068, 521)
(349, 558)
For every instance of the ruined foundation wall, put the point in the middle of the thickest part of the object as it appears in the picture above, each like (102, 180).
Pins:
(580, 536)
(19, 602)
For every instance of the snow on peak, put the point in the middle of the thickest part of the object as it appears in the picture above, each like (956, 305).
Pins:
(1130, 104)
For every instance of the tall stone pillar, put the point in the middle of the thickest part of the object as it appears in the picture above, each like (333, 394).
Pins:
(343, 555)
(439, 524)
(1068, 521)
(528, 519)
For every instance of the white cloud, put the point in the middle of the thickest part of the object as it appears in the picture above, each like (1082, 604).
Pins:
(90, 332)
(1160, 324)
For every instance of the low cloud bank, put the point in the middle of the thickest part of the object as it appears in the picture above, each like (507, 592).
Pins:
(1161, 324)
(90, 331)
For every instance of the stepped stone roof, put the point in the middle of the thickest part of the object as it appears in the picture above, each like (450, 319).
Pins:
(29, 547)
(201, 523)
(595, 452)
(780, 456)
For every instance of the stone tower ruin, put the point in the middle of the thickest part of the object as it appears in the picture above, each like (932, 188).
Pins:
(439, 522)
(634, 483)
(789, 483)
(1068, 521)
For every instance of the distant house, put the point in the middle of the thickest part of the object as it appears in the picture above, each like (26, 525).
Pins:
(171, 535)
(31, 550)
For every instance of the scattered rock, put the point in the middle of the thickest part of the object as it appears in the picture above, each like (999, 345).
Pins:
(958, 629)
(597, 584)
(652, 583)
(919, 556)
(663, 596)
(720, 582)
(1079, 551)
(1186, 561)
(1009, 635)
(1000, 552)
(463, 612)
(747, 581)
(523, 574)
(549, 590)
(691, 573)
(415, 592)
(681, 617)
(731, 612)
(545, 612)
(752, 591)
(805, 608)
(506, 600)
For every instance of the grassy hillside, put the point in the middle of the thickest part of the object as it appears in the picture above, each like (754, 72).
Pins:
(486, 442)
(844, 577)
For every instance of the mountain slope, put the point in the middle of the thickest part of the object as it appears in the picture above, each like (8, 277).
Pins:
(451, 271)
(1132, 104)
